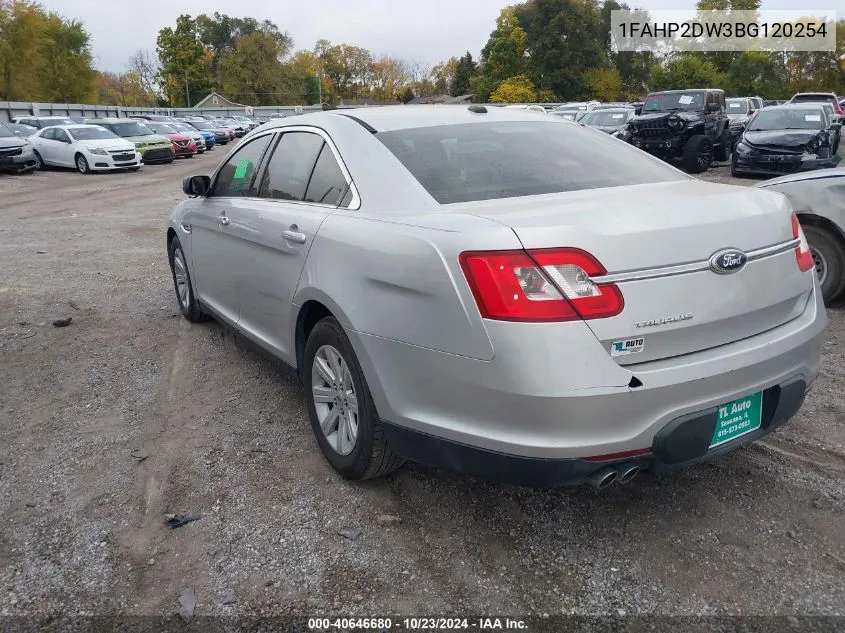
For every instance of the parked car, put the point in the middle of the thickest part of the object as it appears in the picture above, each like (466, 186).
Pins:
(22, 130)
(571, 114)
(740, 110)
(687, 125)
(161, 118)
(529, 301)
(184, 144)
(609, 120)
(530, 108)
(818, 198)
(246, 121)
(239, 128)
(203, 139)
(815, 97)
(153, 147)
(85, 148)
(42, 121)
(221, 137)
(835, 132)
(757, 102)
(785, 139)
(16, 154)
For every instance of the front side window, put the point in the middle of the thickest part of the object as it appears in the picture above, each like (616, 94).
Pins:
(49, 134)
(235, 179)
(62, 136)
(290, 167)
(485, 161)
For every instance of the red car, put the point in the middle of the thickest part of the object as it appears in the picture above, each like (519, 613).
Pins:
(183, 145)
(228, 131)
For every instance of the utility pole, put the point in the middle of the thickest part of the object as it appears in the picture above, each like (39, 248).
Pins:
(320, 86)
(187, 93)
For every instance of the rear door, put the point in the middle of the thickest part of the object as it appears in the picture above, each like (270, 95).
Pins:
(301, 184)
(219, 257)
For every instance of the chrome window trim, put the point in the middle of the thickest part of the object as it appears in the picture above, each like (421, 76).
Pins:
(354, 204)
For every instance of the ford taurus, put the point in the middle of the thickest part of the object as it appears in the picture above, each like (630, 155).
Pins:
(502, 293)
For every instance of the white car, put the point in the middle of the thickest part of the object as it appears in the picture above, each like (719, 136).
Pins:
(86, 148)
(530, 108)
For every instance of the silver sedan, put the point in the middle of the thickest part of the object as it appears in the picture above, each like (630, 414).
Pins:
(502, 292)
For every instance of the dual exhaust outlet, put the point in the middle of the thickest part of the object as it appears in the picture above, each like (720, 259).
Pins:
(606, 477)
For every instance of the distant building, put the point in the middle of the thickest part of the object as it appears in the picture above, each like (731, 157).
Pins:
(216, 100)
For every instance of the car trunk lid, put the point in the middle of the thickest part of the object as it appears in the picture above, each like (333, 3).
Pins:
(656, 242)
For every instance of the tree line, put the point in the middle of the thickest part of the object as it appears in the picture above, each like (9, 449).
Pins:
(538, 51)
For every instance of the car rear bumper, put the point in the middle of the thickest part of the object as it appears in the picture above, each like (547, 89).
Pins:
(553, 404)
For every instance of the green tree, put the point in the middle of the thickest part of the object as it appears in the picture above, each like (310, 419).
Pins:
(347, 67)
(66, 75)
(253, 73)
(755, 73)
(183, 61)
(518, 89)
(684, 71)
(465, 70)
(503, 55)
(21, 39)
(604, 84)
(564, 40)
(443, 74)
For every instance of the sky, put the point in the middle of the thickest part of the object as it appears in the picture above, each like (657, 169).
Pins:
(426, 31)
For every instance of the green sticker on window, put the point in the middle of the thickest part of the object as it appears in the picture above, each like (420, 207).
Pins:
(240, 170)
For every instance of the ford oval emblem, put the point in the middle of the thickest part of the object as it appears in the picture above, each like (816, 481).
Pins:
(727, 261)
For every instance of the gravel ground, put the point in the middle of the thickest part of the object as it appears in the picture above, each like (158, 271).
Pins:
(131, 413)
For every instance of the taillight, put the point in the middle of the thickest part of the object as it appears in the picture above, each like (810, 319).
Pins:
(539, 285)
(802, 252)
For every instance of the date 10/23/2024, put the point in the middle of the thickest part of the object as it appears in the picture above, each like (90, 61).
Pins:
(384, 625)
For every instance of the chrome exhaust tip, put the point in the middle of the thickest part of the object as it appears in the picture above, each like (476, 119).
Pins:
(603, 478)
(628, 473)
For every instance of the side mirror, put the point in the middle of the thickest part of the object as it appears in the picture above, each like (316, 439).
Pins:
(196, 185)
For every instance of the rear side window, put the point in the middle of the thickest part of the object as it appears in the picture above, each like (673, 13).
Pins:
(484, 161)
(236, 177)
(290, 166)
(327, 182)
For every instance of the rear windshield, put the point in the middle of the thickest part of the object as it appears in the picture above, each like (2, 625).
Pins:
(484, 161)
(813, 96)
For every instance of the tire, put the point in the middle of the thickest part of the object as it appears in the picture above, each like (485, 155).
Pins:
(734, 172)
(183, 285)
(39, 162)
(829, 258)
(81, 164)
(698, 154)
(722, 152)
(367, 455)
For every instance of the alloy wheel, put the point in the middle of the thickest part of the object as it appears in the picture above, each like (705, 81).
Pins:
(820, 264)
(180, 274)
(705, 157)
(82, 164)
(335, 400)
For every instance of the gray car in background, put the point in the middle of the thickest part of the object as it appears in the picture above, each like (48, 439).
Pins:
(504, 294)
(818, 197)
(16, 154)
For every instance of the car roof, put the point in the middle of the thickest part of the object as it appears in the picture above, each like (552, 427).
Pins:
(387, 118)
(793, 106)
(826, 94)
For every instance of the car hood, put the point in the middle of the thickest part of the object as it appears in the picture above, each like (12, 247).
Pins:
(689, 117)
(786, 139)
(10, 142)
(181, 136)
(109, 143)
(607, 129)
(149, 139)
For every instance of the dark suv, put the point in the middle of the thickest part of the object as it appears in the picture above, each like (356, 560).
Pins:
(690, 125)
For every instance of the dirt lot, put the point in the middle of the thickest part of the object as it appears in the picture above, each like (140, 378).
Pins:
(131, 413)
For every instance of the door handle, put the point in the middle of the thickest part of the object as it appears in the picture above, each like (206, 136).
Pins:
(294, 236)
(223, 221)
